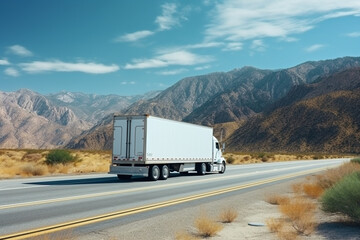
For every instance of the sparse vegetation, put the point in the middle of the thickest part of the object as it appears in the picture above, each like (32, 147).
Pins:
(277, 199)
(313, 190)
(244, 157)
(207, 227)
(59, 156)
(356, 160)
(344, 197)
(301, 212)
(338, 189)
(183, 235)
(27, 163)
(228, 215)
(332, 176)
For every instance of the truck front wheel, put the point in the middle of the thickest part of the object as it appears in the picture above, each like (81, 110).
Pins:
(154, 173)
(164, 173)
(201, 169)
(223, 167)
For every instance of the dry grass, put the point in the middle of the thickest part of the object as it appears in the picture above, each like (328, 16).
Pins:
(301, 212)
(207, 227)
(245, 158)
(228, 215)
(331, 176)
(27, 163)
(282, 228)
(313, 190)
(277, 199)
(275, 224)
(183, 235)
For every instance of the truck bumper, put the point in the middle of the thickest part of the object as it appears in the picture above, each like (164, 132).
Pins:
(129, 170)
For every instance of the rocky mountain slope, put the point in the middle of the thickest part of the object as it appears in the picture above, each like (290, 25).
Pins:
(252, 96)
(218, 98)
(319, 117)
(31, 120)
(93, 108)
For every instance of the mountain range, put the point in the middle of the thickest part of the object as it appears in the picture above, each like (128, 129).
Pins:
(32, 120)
(255, 107)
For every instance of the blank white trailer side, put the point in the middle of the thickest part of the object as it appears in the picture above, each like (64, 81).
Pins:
(152, 147)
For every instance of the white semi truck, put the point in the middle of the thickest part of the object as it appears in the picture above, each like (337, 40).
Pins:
(153, 147)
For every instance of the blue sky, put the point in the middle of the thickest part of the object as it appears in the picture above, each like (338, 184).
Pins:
(130, 47)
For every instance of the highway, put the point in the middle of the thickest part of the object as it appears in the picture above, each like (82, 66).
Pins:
(45, 205)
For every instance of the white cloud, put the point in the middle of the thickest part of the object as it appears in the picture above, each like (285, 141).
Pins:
(314, 48)
(202, 67)
(190, 46)
(59, 66)
(20, 51)
(167, 20)
(132, 37)
(354, 34)
(233, 46)
(173, 72)
(171, 16)
(237, 20)
(257, 45)
(11, 72)
(128, 83)
(4, 62)
(183, 58)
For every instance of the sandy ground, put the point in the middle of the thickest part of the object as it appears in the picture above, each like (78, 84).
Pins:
(251, 206)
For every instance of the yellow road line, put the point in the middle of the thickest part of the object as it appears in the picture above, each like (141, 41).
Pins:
(139, 189)
(122, 213)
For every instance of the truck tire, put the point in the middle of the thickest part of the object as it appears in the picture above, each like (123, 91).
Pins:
(164, 173)
(223, 167)
(201, 169)
(154, 173)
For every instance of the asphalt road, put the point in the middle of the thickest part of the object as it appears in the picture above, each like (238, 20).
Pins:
(34, 206)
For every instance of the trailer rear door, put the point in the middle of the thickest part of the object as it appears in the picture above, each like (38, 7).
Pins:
(128, 138)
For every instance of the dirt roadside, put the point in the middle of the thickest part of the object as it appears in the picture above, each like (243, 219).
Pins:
(251, 206)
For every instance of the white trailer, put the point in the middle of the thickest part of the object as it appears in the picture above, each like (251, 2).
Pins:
(153, 147)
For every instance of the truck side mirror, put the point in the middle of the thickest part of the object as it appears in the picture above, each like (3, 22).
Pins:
(223, 147)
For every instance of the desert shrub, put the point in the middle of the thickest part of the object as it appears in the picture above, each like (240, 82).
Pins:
(59, 157)
(33, 170)
(355, 160)
(344, 197)
(207, 227)
(277, 199)
(332, 176)
(275, 224)
(297, 188)
(230, 160)
(301, 212)
(228, 215)
(313, 190)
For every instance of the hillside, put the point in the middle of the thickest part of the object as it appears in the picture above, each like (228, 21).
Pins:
(319, 117)
(32, 120)
(218, 98)
(252, 96)
(29, 120)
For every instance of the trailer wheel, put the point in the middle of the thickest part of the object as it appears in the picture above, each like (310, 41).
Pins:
(164, 173)
(201, 169)
(154, 173)
(223, 167)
